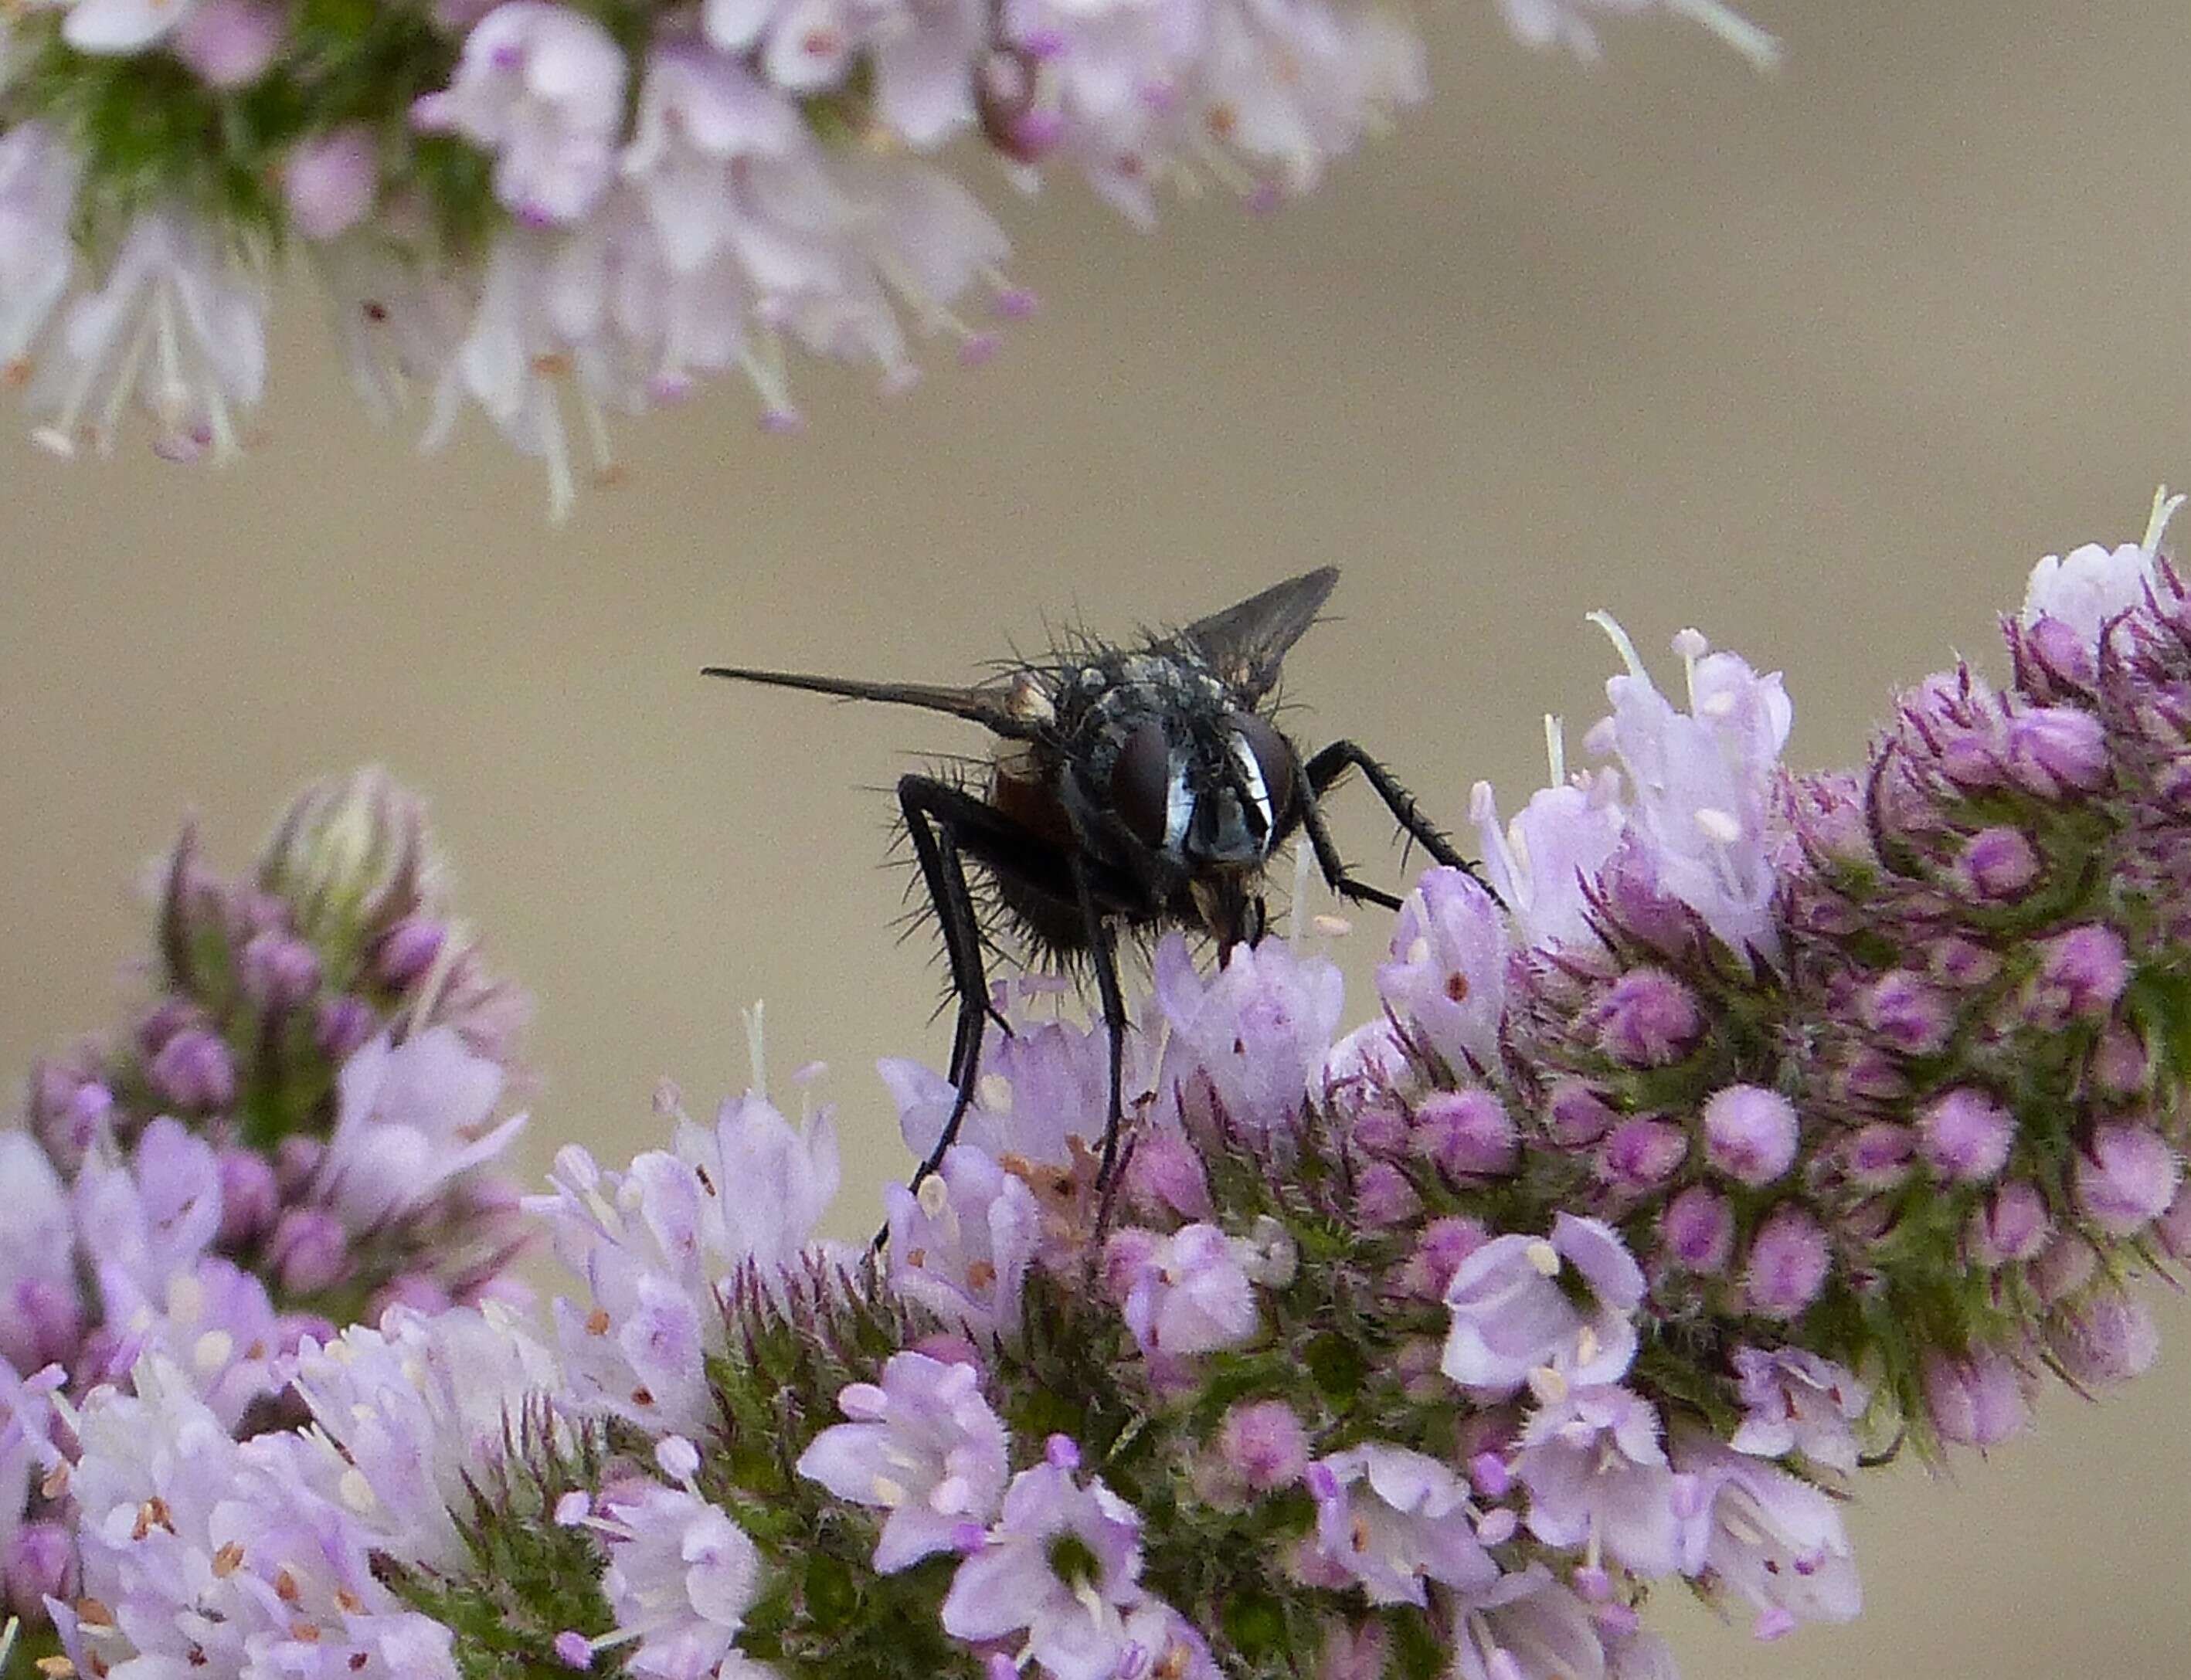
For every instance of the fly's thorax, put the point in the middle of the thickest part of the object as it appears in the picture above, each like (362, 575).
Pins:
(1159, 752)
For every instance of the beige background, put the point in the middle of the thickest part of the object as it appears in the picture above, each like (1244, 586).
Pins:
(1820, 363)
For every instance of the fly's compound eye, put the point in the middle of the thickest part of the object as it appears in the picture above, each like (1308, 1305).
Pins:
(1144, 793)
(1266, 766)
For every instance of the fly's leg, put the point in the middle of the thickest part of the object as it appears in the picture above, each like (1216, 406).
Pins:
(1324, 769)
(931, 809)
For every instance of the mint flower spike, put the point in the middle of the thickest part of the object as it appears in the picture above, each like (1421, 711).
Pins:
(554, 213)
(1786, 1136)
(297, 1126)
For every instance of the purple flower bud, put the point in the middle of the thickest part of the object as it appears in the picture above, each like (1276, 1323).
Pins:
(249, 1197)
(229, 42)
(1998, 863)
(1443, 1245)
(1263, 1444)
(573, 1649)
(1965, 1135)
(1356, 1652)
(48, 1322)
(2062, 1268)
(1466, 1134)
(2120, 1064)
(1959, 963)
(79, 1119)
(308, 1251)
(1789, 1259)
(1489, 1474)
(1383, 1197)
(1698, 1229)
(1062, 1452)
(2011, 1225)
(1871, 1075)
(1750, 1133)
(1975, 1402)
(1164, 1174)
(1379, 1129)
(280, 970)
(408, 949)
(296, 1161)
(1641, 1154)
(1877, 1156)
(192, 1070)
(2081, 974)
(163, 1022)
(345, 1023)
(1646, 1018)
(2053, 750)
(38, 1563)
(2126, 1177)
(1907, 1012)
(2108, 1340)
(1579, 1115)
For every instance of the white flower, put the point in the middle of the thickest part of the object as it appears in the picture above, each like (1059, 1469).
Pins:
(38, 177)
(396, 321)
(178, 324)
(2092, 584)
(120, 25)
(542, 87)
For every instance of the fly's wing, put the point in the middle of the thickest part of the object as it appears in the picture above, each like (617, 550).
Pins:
(994, 708)
(1245, 644)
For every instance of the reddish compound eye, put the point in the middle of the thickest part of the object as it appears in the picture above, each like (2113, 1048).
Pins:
(1142, 786)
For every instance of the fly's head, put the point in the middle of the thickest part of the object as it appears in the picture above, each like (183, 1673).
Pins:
(1180, 777)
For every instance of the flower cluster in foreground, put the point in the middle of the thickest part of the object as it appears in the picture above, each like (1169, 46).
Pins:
(296, 1129)
(556, 211)
(1774, 1124)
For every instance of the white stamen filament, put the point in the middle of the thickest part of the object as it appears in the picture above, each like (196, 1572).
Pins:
(1224, 167)
(597, 433)
(1544, 1257)
(756, 1051)
(2156, 527)
(1760, 46)
(1555, 750)
(1692, 646)
(562, 489)
(1621, 644)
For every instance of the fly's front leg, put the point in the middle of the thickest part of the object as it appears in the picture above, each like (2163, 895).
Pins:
(1324, 769)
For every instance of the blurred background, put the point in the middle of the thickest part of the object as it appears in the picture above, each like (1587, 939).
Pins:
(1819, 362)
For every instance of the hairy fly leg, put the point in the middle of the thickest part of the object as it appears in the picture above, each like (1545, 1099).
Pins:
(1103, 958)
(936, 814)
(1324, 769)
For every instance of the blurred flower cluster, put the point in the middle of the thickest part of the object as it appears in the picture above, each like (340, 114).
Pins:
(1777, 1124)
(297, 1128)
(554, 212)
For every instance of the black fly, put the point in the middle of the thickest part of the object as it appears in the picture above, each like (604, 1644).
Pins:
(1133, 790)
